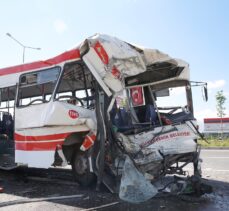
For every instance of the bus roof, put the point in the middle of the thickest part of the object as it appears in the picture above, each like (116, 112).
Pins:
(153, 63)
(9, 76)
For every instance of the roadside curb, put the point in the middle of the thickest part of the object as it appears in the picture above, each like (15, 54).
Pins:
(215, 148)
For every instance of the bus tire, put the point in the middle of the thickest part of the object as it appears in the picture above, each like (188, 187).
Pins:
(81, 169)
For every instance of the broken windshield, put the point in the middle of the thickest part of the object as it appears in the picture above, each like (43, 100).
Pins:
(172, 97)
(174, 103)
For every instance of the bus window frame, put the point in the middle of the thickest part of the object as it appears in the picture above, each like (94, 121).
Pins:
(85, 88)
(17, 100)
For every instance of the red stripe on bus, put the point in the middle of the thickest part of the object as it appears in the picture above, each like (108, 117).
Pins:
(19, 137)
(68, 55)
(216, 120)
(225, 118)
(39, 146)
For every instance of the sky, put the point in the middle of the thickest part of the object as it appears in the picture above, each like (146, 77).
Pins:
(196, 31)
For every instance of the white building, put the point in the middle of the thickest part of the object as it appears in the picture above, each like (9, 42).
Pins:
(215, 126)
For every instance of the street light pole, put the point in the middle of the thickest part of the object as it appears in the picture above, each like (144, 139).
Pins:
(22, 45)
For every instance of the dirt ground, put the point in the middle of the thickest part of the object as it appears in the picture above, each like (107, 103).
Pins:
(24, 185)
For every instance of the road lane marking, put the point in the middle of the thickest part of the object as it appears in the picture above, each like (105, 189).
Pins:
(100, 207)
(215, 157)
(226, 170)
(215, 150)
(209, 169)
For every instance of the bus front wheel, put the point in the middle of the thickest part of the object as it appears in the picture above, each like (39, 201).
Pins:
(81, 169)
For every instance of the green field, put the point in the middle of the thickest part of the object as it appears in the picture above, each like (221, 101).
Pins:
(214, 143)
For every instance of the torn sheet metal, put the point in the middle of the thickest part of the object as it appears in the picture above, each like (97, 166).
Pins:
(142, 155)
(130, 146)
(134, 187)
(111, 59)
(148, 156)
(168, 139)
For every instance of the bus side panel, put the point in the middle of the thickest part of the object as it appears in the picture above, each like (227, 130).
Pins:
(35, 147)
(52, 114)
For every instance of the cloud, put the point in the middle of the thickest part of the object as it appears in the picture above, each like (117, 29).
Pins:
(60, 26)
(216, 84)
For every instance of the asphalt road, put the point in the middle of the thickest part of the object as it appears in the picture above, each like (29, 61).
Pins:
(215, 160)
(20, 186)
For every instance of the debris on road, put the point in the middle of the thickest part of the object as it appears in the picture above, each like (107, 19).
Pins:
(51, 180)
(134, 187)
(28, 200)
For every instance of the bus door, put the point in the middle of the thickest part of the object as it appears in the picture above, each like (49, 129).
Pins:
(32, 137)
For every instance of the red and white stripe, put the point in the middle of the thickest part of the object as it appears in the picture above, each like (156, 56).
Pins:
(88, 141)
(39, 143)
(66, 56)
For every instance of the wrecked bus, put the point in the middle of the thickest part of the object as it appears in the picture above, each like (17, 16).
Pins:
(101, 108)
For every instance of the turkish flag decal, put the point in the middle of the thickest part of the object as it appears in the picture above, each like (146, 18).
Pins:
(137, 96)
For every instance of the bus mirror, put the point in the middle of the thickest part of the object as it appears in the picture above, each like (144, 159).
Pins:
(204, 88)
(205, 92)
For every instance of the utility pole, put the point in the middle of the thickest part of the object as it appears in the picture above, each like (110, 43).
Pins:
(22, 45)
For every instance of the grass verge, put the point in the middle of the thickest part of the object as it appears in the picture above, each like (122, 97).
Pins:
(214, 143)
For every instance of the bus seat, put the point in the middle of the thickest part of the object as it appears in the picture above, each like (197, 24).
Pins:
(150, 114)
(146, 114)
(121, 119)
(7, 124)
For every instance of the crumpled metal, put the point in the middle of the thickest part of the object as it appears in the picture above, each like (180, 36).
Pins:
(134, 187)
